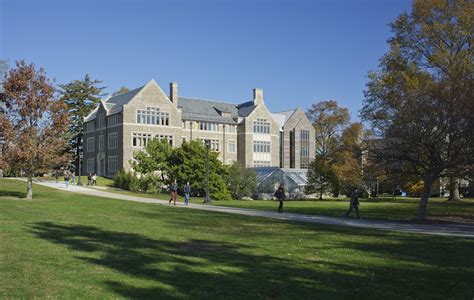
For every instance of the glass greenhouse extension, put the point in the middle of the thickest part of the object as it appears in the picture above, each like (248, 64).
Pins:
(269, 178)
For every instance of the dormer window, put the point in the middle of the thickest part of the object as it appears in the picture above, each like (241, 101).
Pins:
(153, 116)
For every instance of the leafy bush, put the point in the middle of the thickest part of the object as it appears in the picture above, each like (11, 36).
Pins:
(127, 181)
(241, 182)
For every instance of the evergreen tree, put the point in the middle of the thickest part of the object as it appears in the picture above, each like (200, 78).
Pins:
(81, 97)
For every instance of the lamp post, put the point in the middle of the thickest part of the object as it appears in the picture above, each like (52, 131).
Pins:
(208, 145)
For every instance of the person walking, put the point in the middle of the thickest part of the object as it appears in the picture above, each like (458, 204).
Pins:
(354, 204)
(173, 190)
(187, 191)
(94, 179)
(89, 178)
(66, 178)
(280, 195)
(73, 178)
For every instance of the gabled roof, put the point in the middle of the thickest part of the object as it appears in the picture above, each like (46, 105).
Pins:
(282, 117)
(245, 108)
(207, 110)
(115, 103)
(194, 109)
(287, 113)
(92, 114)
(298, 176)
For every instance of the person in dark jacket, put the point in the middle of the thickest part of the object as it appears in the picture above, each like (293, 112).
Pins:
(173, 191)
(280, 195)
(66, 178)
(187, 191)
(354, 204)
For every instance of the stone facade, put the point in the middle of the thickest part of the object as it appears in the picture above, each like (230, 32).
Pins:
(298, 140)
(247, 133)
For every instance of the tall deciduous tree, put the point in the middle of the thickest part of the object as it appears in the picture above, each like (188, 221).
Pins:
(321, 177)
(347, 162)
(420, 101)
(329, 120)
(81, 97)
(35, 123)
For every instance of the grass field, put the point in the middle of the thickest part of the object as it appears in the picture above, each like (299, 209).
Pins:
(64, 245)
(439, 210)
(395, 209)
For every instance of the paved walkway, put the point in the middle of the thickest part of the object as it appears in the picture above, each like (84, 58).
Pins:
(442, 230)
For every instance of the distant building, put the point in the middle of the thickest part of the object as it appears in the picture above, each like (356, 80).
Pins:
(247, 133)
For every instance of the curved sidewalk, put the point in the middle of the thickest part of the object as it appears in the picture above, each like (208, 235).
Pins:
(442, 230)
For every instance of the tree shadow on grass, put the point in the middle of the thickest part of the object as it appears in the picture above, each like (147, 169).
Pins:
(193, 268)
(13, 194)
(400, 265)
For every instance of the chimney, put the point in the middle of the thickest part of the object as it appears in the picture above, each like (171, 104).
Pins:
(174, 92)
(257, 96)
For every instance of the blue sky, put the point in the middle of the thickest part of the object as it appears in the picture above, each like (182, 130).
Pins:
(300, 52)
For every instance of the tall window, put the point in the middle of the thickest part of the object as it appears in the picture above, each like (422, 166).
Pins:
(113, 120)
(141, 139)
(231, 146)
(169, 138)
(90, 144)
(101, 121)
(90, 126)
(153, 116)
(90, 165)
(292, 149)
(208, 126)
(304, 154)
(101, 143)
(113, 163)
(112, 140)
(261, 146)
(232, 128)
(214, 144)
(261, 126)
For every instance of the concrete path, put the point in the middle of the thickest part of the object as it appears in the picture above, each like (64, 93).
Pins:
(442, 230)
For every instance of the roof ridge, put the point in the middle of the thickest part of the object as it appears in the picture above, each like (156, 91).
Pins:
(207, 100)
(288, 110)
(131, 91)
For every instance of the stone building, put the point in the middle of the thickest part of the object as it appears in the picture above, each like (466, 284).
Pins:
(247, 133)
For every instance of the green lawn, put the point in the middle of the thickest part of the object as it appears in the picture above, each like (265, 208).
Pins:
(394, 209)
(439, 210)
(64, 245)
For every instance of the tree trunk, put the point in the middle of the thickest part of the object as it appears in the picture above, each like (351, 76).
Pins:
(29, 187)
(429, 178)
(453, 189)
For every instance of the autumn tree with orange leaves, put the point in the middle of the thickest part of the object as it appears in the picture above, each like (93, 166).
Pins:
(34, 124)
